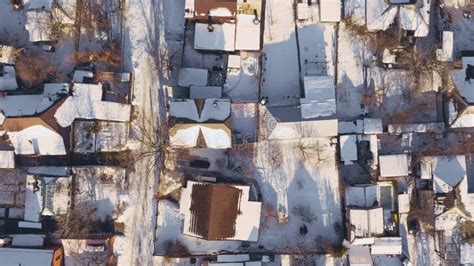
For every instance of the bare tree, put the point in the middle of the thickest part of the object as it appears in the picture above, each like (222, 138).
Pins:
(34, 68)
(312, 150)
(76, 222)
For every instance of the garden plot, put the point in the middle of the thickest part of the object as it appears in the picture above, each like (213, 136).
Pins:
(352, 55)
(300, 188)
(280, 73)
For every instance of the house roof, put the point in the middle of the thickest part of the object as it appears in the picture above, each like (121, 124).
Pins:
(320, 97)
(221, 38)
(393, 165)
(208, 110)
(7, 54)
(465, 87)
(348, 145)
(192, 76)
(7, 159)
(446, 171)
(360, 255)
(361, 196)
(330, 10)
(214, 8)
(8, 78)
(205, 135)
(387, 246)
(205, 92)
(38, 25)
(446, 52)
(247, 36)
(24, 256)
(219, 212)
(366, 222)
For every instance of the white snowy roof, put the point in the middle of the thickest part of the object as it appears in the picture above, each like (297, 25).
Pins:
(361, 196)
(367, 222)
(7, 159)
(247, 222)
(233, 258)
(38, 4)
(446, 171)
(6, 54)
(26, 257)
(33, 199)
(465, 88)
(379, 15)
(247, 36)
(233, 61)
(192, 76)
(222, 38)
(26, 105)
(467, 253)
(403, 203)
(37, 140)
(28, 240)
(330, 10)
(415, 20)
(360, 255)
(348, 146)
(186, 136)
(373, 126)
(387, 246)
(8, 79)
(296, 130)
(446, 52)
(351, 127)
(86, 103)
(213, 109)
(393, 165)
(79, 75)
(38, 25)
(205, 92)
(320, 97)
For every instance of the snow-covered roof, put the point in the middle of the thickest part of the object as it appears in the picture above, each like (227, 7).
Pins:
(27, 257)
(247, 35)
(219, 212)
(212, 110)
(361, 196)
(86, 103)
(414, 18)
(360, 256)
(380, 15)
(7, 54)
(449, 220)
(351, 127)
(373, 126)
(403, 203)
(79, 75)
(205, 92)
(28, 240)
(348, 146)
(192, 76)
(367, 222)
(38, 4)
(221, 38)
(38, 25)
(27, 105)
(301, 129)
(387, 246)
(467, 253)
(446, 52)
(302, 11)
(8, 78)
(330, 10)
(215, 136)
(233, 61)
(320, 97)
(393, 165)
(446, 171)
(233, 258)
(465, 87)
(7, 159)
(37, 139)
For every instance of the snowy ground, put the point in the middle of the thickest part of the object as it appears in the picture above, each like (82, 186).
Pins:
(351, 58)
(280, 78)
(307, 189)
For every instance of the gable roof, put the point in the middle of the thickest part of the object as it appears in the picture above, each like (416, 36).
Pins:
(214, 209)
(446, 171)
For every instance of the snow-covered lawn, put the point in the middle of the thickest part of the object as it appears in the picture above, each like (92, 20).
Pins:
(351, 56)
(280, 78)
(299, 178)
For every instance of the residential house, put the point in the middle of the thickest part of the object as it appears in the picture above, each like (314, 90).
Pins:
(459, 109)
(219, 212)
(446, 172)
(49, 255)
(394, 165)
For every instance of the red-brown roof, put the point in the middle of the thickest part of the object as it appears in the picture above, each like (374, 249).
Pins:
(214, 210)
(202, 7)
